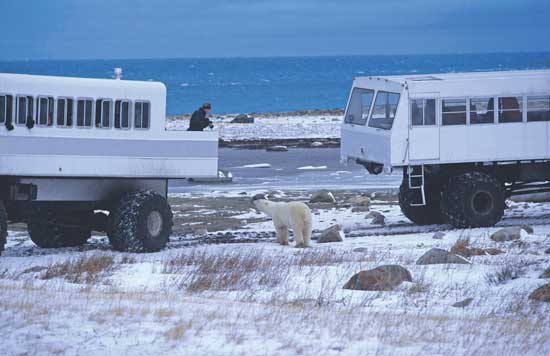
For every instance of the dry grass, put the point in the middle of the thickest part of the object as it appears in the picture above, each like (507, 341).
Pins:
(87, 269)
(504, 274)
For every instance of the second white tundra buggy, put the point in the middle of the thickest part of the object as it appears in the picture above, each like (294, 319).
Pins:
(465, 141)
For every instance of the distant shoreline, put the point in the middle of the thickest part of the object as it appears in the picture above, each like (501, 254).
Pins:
(305, 113)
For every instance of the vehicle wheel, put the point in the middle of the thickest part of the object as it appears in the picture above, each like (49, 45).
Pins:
(3, 227)
(141, 222)
(473, 199)
(59, 228)
(420, 215)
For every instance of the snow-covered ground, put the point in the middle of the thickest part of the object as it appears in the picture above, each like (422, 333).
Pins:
(204, 297)
(271, 127)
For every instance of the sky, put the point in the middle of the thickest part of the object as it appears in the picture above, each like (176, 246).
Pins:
(120, 29)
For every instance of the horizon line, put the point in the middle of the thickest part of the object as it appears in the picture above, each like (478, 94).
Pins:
(276, 56)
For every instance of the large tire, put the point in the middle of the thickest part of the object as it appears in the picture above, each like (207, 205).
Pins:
(140, 222)
(421, 215)
(3, 227)
(473, 199)
(54, 228)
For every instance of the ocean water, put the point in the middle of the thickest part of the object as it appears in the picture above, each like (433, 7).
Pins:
(246, 85)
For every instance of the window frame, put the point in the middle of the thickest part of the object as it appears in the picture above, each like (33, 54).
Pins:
(78, 99)
(141, 102)
(101, 102)
(495, 114)
(547, 95)
(130, 114)
(6, 111)
(522, 109)
(65, 112)
(373, 105)
(39, 111)
(26, 96)
(436, 122)
(442, 113)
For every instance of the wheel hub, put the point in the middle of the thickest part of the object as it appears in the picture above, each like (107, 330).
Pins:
(482, 203)
(154, 223)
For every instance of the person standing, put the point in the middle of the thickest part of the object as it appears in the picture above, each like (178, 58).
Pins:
(199, 119)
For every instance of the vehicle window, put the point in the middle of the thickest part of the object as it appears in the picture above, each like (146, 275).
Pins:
(423, 112)
(24, 109)
(453, 112)
(84, 112)
(538, 108)
(482, 111)
(142, 113)
(366, 103)
(103, 113)
(65, 112)
(122, 114)
(510, 109)
(6, 108)
(44, 109)
(383, 112)
(359, 108)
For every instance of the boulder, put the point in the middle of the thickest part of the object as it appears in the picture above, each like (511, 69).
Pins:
(361, 249)
(382, 278)
(277, 149)
(323, 196)
(439, 256)
(360, 209)
(507, 234)
(332, 234)
(463, 303)
(547, 251)
(438, 235)
(316, 144)
(541, 294)
(528, 229)
(359, 200)
(243, 119)
(377, 218)
(545, 274)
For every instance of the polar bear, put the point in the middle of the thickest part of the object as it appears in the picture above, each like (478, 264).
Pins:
(294, 215)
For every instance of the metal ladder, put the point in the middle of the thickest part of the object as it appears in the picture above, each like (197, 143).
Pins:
(414, 177)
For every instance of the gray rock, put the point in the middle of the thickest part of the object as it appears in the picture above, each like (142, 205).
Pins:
(545, 274)
(438, 235)
(547, 251)
(507, 234)
(359, 200)
(463, 303)
(361, 249)
(528, 229)
(277, 149)
(360, 209)
(332, 234)
(382, 278)
(323, 196)
(316, 144)
(439, 256)
(541, 294)
(243, 119)
(377, 218)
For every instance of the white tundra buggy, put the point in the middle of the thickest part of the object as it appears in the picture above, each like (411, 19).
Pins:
(78, 155)
(465, 141)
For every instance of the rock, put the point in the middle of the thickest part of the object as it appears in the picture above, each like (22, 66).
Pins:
(323, 196)
(201, 232)
(547, 251)
(493, 251)
(360, 200)
(545, 274)
(541, 294)
(438, 235)
(360, 209)
(439, 256)
(361, 249)
(243, 119)
(528, 229)
(377, 218)
(316, 144)
(277, 149)
(332, 234)
(382, 278)
(507, 234)
(463, 303)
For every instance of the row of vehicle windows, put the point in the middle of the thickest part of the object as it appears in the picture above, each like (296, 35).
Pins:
(46, 111)
(481, 110)
(384, 107)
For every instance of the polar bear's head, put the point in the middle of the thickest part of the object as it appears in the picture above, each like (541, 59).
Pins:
(259, 201)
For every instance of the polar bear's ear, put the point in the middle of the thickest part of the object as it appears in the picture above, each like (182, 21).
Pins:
(258, 197)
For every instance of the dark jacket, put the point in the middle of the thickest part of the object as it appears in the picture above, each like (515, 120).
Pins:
(199, 121)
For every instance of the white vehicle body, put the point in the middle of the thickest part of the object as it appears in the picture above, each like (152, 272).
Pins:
(97, 151)
(509, 135)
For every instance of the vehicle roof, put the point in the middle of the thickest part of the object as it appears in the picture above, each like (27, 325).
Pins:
(135, 84)
(449, 77)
